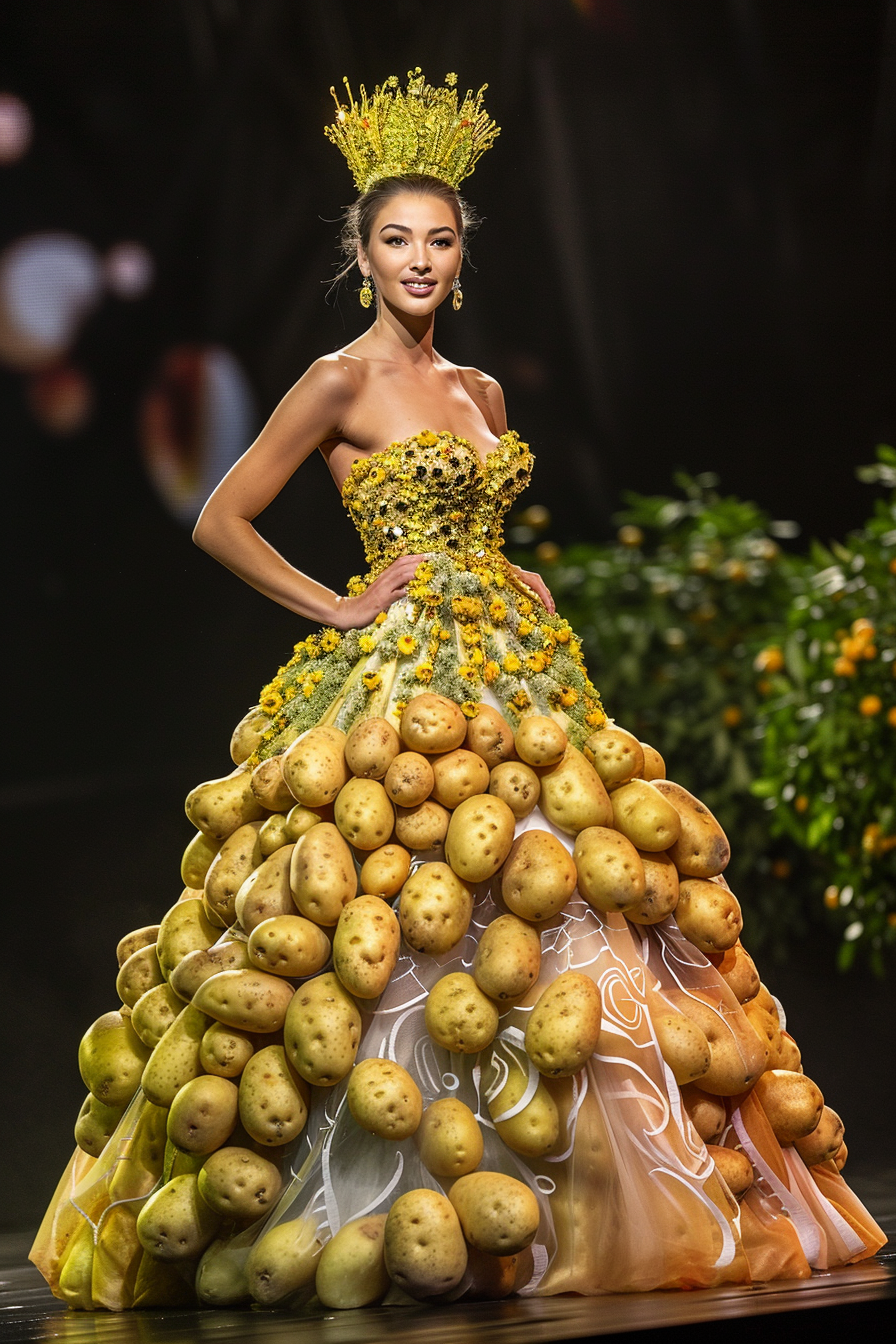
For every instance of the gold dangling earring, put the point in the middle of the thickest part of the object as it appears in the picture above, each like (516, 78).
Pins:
(365, 294)
(457, 294)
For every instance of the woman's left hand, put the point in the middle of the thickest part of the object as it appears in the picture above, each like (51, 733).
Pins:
(538, 586)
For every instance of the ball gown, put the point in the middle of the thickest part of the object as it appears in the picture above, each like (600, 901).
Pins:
(629, 1195)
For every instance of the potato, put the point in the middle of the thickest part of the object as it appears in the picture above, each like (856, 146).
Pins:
(248, 734)
(371, 748)
(508, 958)
(480, 834)
(708, 915)
(300, 819)
(196, 860)
(431, 724)
(517, 785)
(490, 736)
(825, 1140)
(116, 1258)
(702, 848)
(572, 795)
(351, 1271)
(184, 929)
(289, 945)
(365, 946)
(237, 1183)
(423, 827)
(435, 909)
(682, 1045)
(283, 1261)
(132, 942)
(314, 766)
(322, 1030)
(154, 1012)
(492, 1277)
(273, 1098)
(459, 1016)
(644, 816)
(385, 871)
(203, 1114)
(498, 1214)
(220, 1279)
(660, 889)
(734, 1167)
(140, 972)
(840, 1157)
(738, 970)
(708, 1113)
(610, 872)
(384, 1099)
(176, 1223)
(236, 859)
(787, 1054)
(140, 1163)
(322, 874)
(221, 806)
(616, 755)
(458, 775)
(76, 1272)
(95, 1125)
(247, 999)
(409, 779)
(449, 1139)
(225, 1051)
(175, 1059)
(111, 1058)
(425, 1252)
(364, 813)
(266, 892)
(201, 965)
(736, 1060)
(540, 740)
(539, 876)
(273, 835)
(269, 786)
(792, 1103)
(654, 765)
(564, 1026)
(533, 1130)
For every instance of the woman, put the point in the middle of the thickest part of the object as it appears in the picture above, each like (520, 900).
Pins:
(604, 1090)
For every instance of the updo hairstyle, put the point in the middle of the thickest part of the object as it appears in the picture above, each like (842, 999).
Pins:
(360, 215)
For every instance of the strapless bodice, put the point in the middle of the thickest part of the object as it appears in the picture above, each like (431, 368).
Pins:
(434, 493)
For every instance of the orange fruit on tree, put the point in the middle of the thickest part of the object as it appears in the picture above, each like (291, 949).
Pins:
(869, 705)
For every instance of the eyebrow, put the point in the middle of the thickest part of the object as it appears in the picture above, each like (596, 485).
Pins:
(402, 228)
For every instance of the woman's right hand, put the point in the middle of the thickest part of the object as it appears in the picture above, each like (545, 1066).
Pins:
(352, 613)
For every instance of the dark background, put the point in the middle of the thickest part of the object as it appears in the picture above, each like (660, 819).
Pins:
(687, 261)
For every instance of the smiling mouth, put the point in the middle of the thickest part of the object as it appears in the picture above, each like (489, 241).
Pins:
(420, 286)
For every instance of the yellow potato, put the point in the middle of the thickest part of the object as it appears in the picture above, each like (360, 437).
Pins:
(236, 859)
(660, 889)
(184, 929)
(76, 1273)
(423, 827)
(273, 1098)
(95, 1125)
(176, 1223)
(564, 1026)
(435, 909)
(644, 816)
(708, 1114)
(266, 892)
(737, 1056)
(702, 848)
(371, 748)
(654, 765)
(449, 1139)
(458, 775)
(196, 860)
(498, 1214)
(490, 736)
(269, 786)
(825, 1140)
(792, 1103)
(787, 1054)
(734, 1167)
(203, 1114)
(517, 785)
(322, 1030)
(300, 819)
(425, 1252)
(220, 806)
(708, 915)
(314, 766)
(322, 874)
(610, 872)
(540, 740)
(248, 734)
(459, 1016)
(682, 1044)
(409, 779)
(532, 1131)
(289, 945)
(352, 1271)
(385, 871)
(572, 795)
(616, 755)
(175, 1059)
(738, 970)
(365, 946)
(221, 1273)
(508, 958)
(247, 999)
(431, 724)
(201, 965)
(225, 1051)
(132, 942)
(154, 1012)
(140, 972)
(480, 834)
(384, 1099)
(539, 876)
(140, 1163)
(273, 834)
(364, 813)
(283, 1261)
(111, 1058)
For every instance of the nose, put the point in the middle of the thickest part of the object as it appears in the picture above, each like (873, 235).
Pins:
(421, 262)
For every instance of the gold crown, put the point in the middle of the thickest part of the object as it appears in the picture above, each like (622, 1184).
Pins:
(417, 130)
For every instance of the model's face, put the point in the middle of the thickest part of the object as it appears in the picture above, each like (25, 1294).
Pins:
(414, 253)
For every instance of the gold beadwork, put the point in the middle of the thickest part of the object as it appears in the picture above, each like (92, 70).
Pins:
(457, 295)
(417, 130)
(365, 294)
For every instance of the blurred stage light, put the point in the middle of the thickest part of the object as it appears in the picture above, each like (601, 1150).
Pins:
(16, 128)
(197, 418)
(61, 399)
(49, 282)
(128, 270)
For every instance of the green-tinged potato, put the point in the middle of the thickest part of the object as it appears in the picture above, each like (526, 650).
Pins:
(459, 1016)
(351, 1271)
(322, 1030)
(738, 970)
(269, 786)
(564, 1026)
(139, 1164)
(132, 942)
(458, 775)
(644, 816)
(111, 1058)
(322, 874)
(422, 827)
(214, 917)
(480, 834)
(409, 779)
(283, 1261)
(248, 734)
(432, 724)
(371, 747)
(274, 834)
(792, 1103)
(203, 1114)
(540, 740)
(176, 1223)
(533, 1130)
(239, 856)
(197, 859)
(314, 766)
(435, 909)
(364, 814)
(708, 1114)
(201, 965)
(616, 755)
(682, 1045)
(490, 736)
(366, 945)
(249, 999)
(517, 785)
(425, 1250)
(224, 1051)
(299, 820)
(76, 1274)
(384, 1099)
(273, 1099)
(498, 1214)
(508, 958)
(175, 1059)
(489, 1278)
(734, 1167)
(660, 890)
(221, 806)
(289, 945)
(737, 1057)
(449, 1139)
(140, 972)
(824, 1142)
(610, 872)
(708, 915)
(96, 1124)
(573, 796)
(538, 877)
(221, 1273)
(154, 1012)
(702, 848)
(385, 871)
(237, 1183)
(266, 892)
(184, 929)
(116, 1258)
(654, 765)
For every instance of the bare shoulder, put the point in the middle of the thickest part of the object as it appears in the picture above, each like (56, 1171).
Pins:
(488, 393)
(333, 377)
